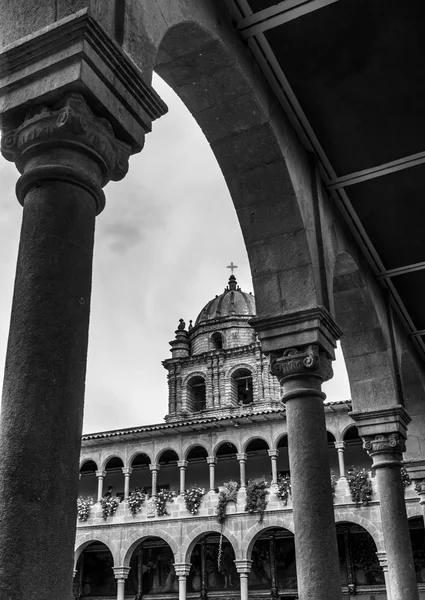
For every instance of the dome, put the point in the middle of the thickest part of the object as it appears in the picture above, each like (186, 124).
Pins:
(233, 302)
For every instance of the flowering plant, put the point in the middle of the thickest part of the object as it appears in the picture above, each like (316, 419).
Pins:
(334, 481)
(109, 506)
(135, 500)
(283, 487)
(360, 486)
(193, 499)
(256, 500)
(405, 479)
(161, 499)
(83, 508)
(229, 493)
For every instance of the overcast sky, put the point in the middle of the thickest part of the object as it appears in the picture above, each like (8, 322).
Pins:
(163, 242)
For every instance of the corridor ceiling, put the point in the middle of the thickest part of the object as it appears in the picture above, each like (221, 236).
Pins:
(350, 75)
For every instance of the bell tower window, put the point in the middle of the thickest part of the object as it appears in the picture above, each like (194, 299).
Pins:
(197, 393)
(217, 341)
(242, 388)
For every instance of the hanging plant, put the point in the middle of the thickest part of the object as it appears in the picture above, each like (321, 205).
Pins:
(256, 497)
(135, 500)
(84, 507)
(228, 493)
(405, 479)
(109, 506)
(360, 486)
(193, 499)
(283, 487)
(161, 499)
(334, 481)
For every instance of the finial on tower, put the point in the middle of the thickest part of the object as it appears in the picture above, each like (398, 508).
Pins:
(232, 267)
(232, 278)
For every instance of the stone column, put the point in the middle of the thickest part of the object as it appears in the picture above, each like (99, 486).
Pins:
(340, 446)
(382, 557)
(243, 567)
(121, 574)
(274, 453)
(154, 470)
(100, 477)
(182, 464)
(212, 461)
(384, 432)
(182, 571)
(242, 461)
(127, 473)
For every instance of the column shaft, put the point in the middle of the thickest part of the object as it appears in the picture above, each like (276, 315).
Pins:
(244, 585)
(99, 487)
(340, 446)
(182, 587)
(120, 589)
(242, 461)
(126, 485)
(211, 463)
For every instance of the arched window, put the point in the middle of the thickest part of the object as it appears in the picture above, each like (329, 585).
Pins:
(217, 341)
(196, 394)
(242, 388)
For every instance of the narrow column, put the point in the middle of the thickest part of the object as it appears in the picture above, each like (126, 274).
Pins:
(273, 573)
(204, 581)
(182, 571)
(382, 557)
(274, 453)
(154, 470)
(182, 464)
(100, 477)
(127, 473)
(212, 461)
(340, 446)
(384, 432)
(242, 461)
(139, 593)
(301, 373)
(121, 574)
(243, 567)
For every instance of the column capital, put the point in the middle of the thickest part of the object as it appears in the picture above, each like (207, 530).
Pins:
(313, 326)
(182, 464)
(100, 473)
(385, 449)
(127, 470)
(415, 468)
(212, 460)
(154, 467)
(121, 572)
(243, 566)
(182, 569)
(241, 456)
(382, 558)
(308, 361)
(273, 452)
(340, 445)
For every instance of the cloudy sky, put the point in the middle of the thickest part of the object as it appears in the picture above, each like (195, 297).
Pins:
(163, 242)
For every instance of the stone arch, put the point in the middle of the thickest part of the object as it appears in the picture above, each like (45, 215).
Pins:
(255, 437)
(110, 456)
(372, 528)
(270, 522)
(162, 451)
(149, 531)
(193, 535)
(279, 438)
(85, 539)
(192, 374)
(235, 368)
(136, 453)
(86, 460)
(190, 447)
(361, 314)
(224, 441)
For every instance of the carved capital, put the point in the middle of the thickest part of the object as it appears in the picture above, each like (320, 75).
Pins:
(66, 142)
(383, 561)
(154, 467)
(121, 572)
(127, 471)
(100, 474)
(385, 449)
(296, 362)
(340, 445)
(211, 460)
(182, 569)
(273, 453)
(241, 456)
(182, 464)
(243, 566)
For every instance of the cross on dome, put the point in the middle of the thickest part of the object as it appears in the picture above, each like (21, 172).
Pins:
(232, 267)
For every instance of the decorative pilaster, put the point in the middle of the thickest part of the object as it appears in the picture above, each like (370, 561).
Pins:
(243, 567)
(121, 574)
(127, 474)
(212, 461)
(100, 477)
(273, 453)
(154, 468)
(182, 465)
(242, 462)
(340, 446)
(182, 571)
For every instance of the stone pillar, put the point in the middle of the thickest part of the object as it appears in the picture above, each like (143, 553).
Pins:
(384, 432)
(182, 571)
(340, 446)
(100, 477)
(154, 470)
(243, 567)
(242, 461)
(382, 557)
(121, 574)
(182, 464)
(212, 461)
(274, 453)
(127, 473)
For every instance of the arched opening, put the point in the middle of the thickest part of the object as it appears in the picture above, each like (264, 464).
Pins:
(113, 484)
(196, 394)
(168, 475)
(354, 454)
(242, 387)
(95, 576)
(217, 341)
(211, 572)
(227, 467)
(197, 471)
(283, 457)
(358, 562)
(87, 487)
(417, 538)
(258, 462)
(151, 570)
(273, 560)
(141, 475)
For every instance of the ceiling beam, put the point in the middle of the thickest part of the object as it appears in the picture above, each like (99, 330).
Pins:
(417, 333)
(402, 270)
(281, 13)
(379, 171)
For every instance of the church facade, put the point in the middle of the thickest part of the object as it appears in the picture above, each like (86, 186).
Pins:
(225, 423)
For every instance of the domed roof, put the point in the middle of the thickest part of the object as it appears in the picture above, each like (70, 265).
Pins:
(232, 302)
